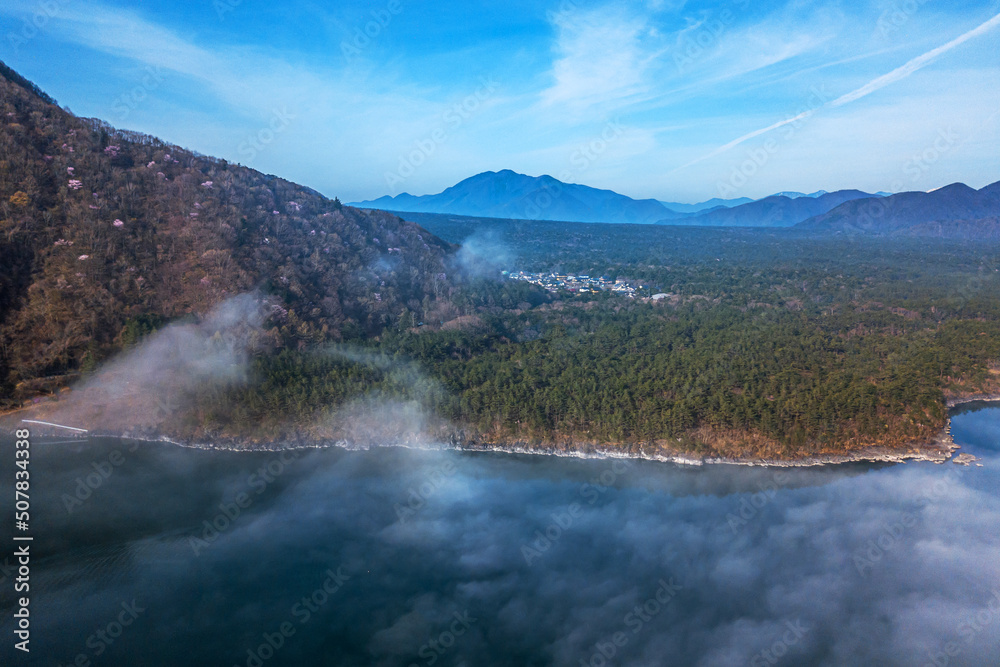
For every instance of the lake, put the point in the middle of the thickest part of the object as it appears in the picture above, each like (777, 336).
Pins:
(152, 554)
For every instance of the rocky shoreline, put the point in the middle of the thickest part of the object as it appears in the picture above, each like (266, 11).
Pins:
(939, 449)
(975, 398)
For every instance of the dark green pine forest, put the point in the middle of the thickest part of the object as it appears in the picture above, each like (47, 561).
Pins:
(777, 343)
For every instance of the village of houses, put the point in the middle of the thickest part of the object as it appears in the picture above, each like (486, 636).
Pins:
(555, 282)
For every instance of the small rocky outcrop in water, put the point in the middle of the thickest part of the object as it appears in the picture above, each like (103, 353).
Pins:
(966, 459)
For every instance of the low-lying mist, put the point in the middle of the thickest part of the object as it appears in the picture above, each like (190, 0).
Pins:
(484, 255)
(399, 415)
(547, 560)
(149, 384)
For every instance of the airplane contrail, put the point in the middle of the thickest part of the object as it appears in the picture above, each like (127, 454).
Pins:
(913, 65)
(748, 137)
(875, 84)
(71, 428)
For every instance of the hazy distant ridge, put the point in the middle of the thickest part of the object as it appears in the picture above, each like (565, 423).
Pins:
(507, 194)
(954, 208)
(774, 211)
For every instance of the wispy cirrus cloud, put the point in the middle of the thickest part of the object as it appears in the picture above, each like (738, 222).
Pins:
(601, 58)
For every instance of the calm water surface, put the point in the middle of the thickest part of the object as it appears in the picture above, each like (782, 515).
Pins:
(150, 554)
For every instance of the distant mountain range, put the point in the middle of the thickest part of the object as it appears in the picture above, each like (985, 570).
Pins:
(954, 210)
(508, 194)
(774, 211)
(705, 205)
(797, 195)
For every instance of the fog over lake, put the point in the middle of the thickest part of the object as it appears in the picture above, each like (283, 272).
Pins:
(152, 554)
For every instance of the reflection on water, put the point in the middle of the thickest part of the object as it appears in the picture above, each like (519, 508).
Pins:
(400, 557)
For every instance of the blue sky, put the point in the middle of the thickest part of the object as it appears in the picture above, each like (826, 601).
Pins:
(676, 100)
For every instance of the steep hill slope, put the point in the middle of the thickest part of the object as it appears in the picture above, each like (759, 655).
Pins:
(105, 233)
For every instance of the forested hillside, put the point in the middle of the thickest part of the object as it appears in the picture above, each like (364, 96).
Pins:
(106, 234)
(769, 344)
(777, 343)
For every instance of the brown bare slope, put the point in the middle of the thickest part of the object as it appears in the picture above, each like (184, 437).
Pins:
(105, 233)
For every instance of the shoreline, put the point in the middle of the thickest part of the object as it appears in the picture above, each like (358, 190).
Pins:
(952, 403)
(938, 449)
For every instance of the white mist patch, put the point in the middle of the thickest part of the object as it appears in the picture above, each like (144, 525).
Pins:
(372, 422)
(145, 386)
(483, 255)
(397, 416)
